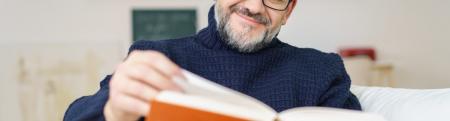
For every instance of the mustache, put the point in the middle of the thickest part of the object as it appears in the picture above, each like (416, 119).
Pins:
(257, 16)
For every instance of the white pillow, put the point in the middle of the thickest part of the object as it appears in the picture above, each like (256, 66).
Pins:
(405, 104)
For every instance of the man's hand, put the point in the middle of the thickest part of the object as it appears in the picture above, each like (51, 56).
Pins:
(137, 81)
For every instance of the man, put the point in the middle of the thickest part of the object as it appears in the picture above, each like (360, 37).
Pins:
(239, 50)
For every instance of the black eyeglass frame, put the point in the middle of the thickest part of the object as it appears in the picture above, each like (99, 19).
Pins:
(287, 5)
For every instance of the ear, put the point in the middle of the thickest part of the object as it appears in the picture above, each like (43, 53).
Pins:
(289, 10)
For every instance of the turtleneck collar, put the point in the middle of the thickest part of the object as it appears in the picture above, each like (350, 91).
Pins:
(210, 37)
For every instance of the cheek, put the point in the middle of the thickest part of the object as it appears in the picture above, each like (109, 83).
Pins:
(276, 24)
(227, 3)
(277, 19)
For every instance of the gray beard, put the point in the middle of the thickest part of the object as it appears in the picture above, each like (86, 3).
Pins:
(241, 40)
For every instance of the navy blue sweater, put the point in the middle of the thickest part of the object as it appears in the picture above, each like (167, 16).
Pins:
(280, 75)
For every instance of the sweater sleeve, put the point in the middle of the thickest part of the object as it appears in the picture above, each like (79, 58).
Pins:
(338, 94)
(89, 108)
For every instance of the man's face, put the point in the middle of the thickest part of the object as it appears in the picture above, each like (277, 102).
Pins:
(248, 25)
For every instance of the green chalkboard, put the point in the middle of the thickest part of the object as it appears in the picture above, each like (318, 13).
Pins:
(163, 24)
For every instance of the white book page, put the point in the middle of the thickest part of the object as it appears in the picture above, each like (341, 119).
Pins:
(197, 86)
(326, 114)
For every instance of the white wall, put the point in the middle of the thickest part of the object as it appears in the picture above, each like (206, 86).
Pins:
(413, 35)
(56, 43)
(57, 50)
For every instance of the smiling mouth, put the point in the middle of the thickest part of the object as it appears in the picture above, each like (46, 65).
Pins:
(249, 19)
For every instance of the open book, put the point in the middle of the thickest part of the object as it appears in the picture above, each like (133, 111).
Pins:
(204, 100)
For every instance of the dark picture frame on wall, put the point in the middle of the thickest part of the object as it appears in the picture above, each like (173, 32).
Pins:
(160, 24)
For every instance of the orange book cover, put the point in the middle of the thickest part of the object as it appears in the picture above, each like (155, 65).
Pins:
(161, 111)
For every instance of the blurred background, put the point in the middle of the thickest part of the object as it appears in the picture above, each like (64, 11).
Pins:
(54, 51)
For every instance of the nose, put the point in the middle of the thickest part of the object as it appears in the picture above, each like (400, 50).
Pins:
(255, 6)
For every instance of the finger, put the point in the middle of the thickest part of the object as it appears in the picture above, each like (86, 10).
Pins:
(158, 61)
(130, 104)
(150, 77)
(139, 90)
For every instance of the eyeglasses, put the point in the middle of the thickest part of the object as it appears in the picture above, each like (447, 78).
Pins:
(279, 5)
